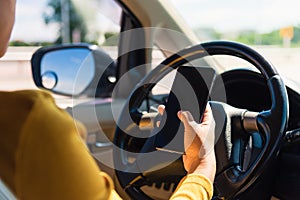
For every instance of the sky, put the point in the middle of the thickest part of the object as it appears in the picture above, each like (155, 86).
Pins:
(222, 15)
(231, 15)
(29, 24)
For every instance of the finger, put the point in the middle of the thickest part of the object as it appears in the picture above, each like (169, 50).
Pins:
(157, 123)
(185, 116)
(161, 109)
(207, 114)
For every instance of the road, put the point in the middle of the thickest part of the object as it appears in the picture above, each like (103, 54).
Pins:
(16, 69)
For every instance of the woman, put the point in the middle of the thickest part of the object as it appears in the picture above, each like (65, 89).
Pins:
(42, 155)
(7, 18)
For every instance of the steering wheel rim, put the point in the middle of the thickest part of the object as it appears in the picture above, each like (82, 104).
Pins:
(271, 123)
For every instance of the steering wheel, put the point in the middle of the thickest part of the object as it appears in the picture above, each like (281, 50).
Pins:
(235, 126)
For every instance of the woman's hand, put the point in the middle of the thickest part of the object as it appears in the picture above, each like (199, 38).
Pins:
(198, 142)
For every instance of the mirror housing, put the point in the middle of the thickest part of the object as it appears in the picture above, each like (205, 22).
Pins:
(74, 70)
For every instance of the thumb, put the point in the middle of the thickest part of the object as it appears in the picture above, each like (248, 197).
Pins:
(189, 128)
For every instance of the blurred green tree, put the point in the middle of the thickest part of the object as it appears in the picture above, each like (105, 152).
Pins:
(296, 39)
(78, 28)
(271, 38)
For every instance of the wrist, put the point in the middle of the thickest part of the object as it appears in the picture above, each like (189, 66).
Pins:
(206, 167)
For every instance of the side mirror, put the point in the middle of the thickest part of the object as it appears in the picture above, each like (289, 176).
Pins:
(72, 70)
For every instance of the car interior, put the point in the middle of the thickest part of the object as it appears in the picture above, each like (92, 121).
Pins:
(256, 110)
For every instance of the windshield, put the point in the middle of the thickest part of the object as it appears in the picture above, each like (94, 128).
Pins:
(271, 27)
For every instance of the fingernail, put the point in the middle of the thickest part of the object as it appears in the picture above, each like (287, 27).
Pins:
(179, 114)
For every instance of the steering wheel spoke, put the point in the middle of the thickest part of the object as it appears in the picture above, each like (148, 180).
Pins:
(227, 182)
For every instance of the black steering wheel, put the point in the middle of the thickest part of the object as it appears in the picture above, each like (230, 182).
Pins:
(235, 127)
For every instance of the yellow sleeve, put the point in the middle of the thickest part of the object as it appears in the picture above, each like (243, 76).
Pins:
(46, 158)
(193, 186)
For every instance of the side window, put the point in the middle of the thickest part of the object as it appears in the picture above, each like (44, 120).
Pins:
(163, 87)
(97, 22)
(102, 21)
(157, 56)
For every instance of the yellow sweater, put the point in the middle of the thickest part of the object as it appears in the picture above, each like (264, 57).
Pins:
(42, 155)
